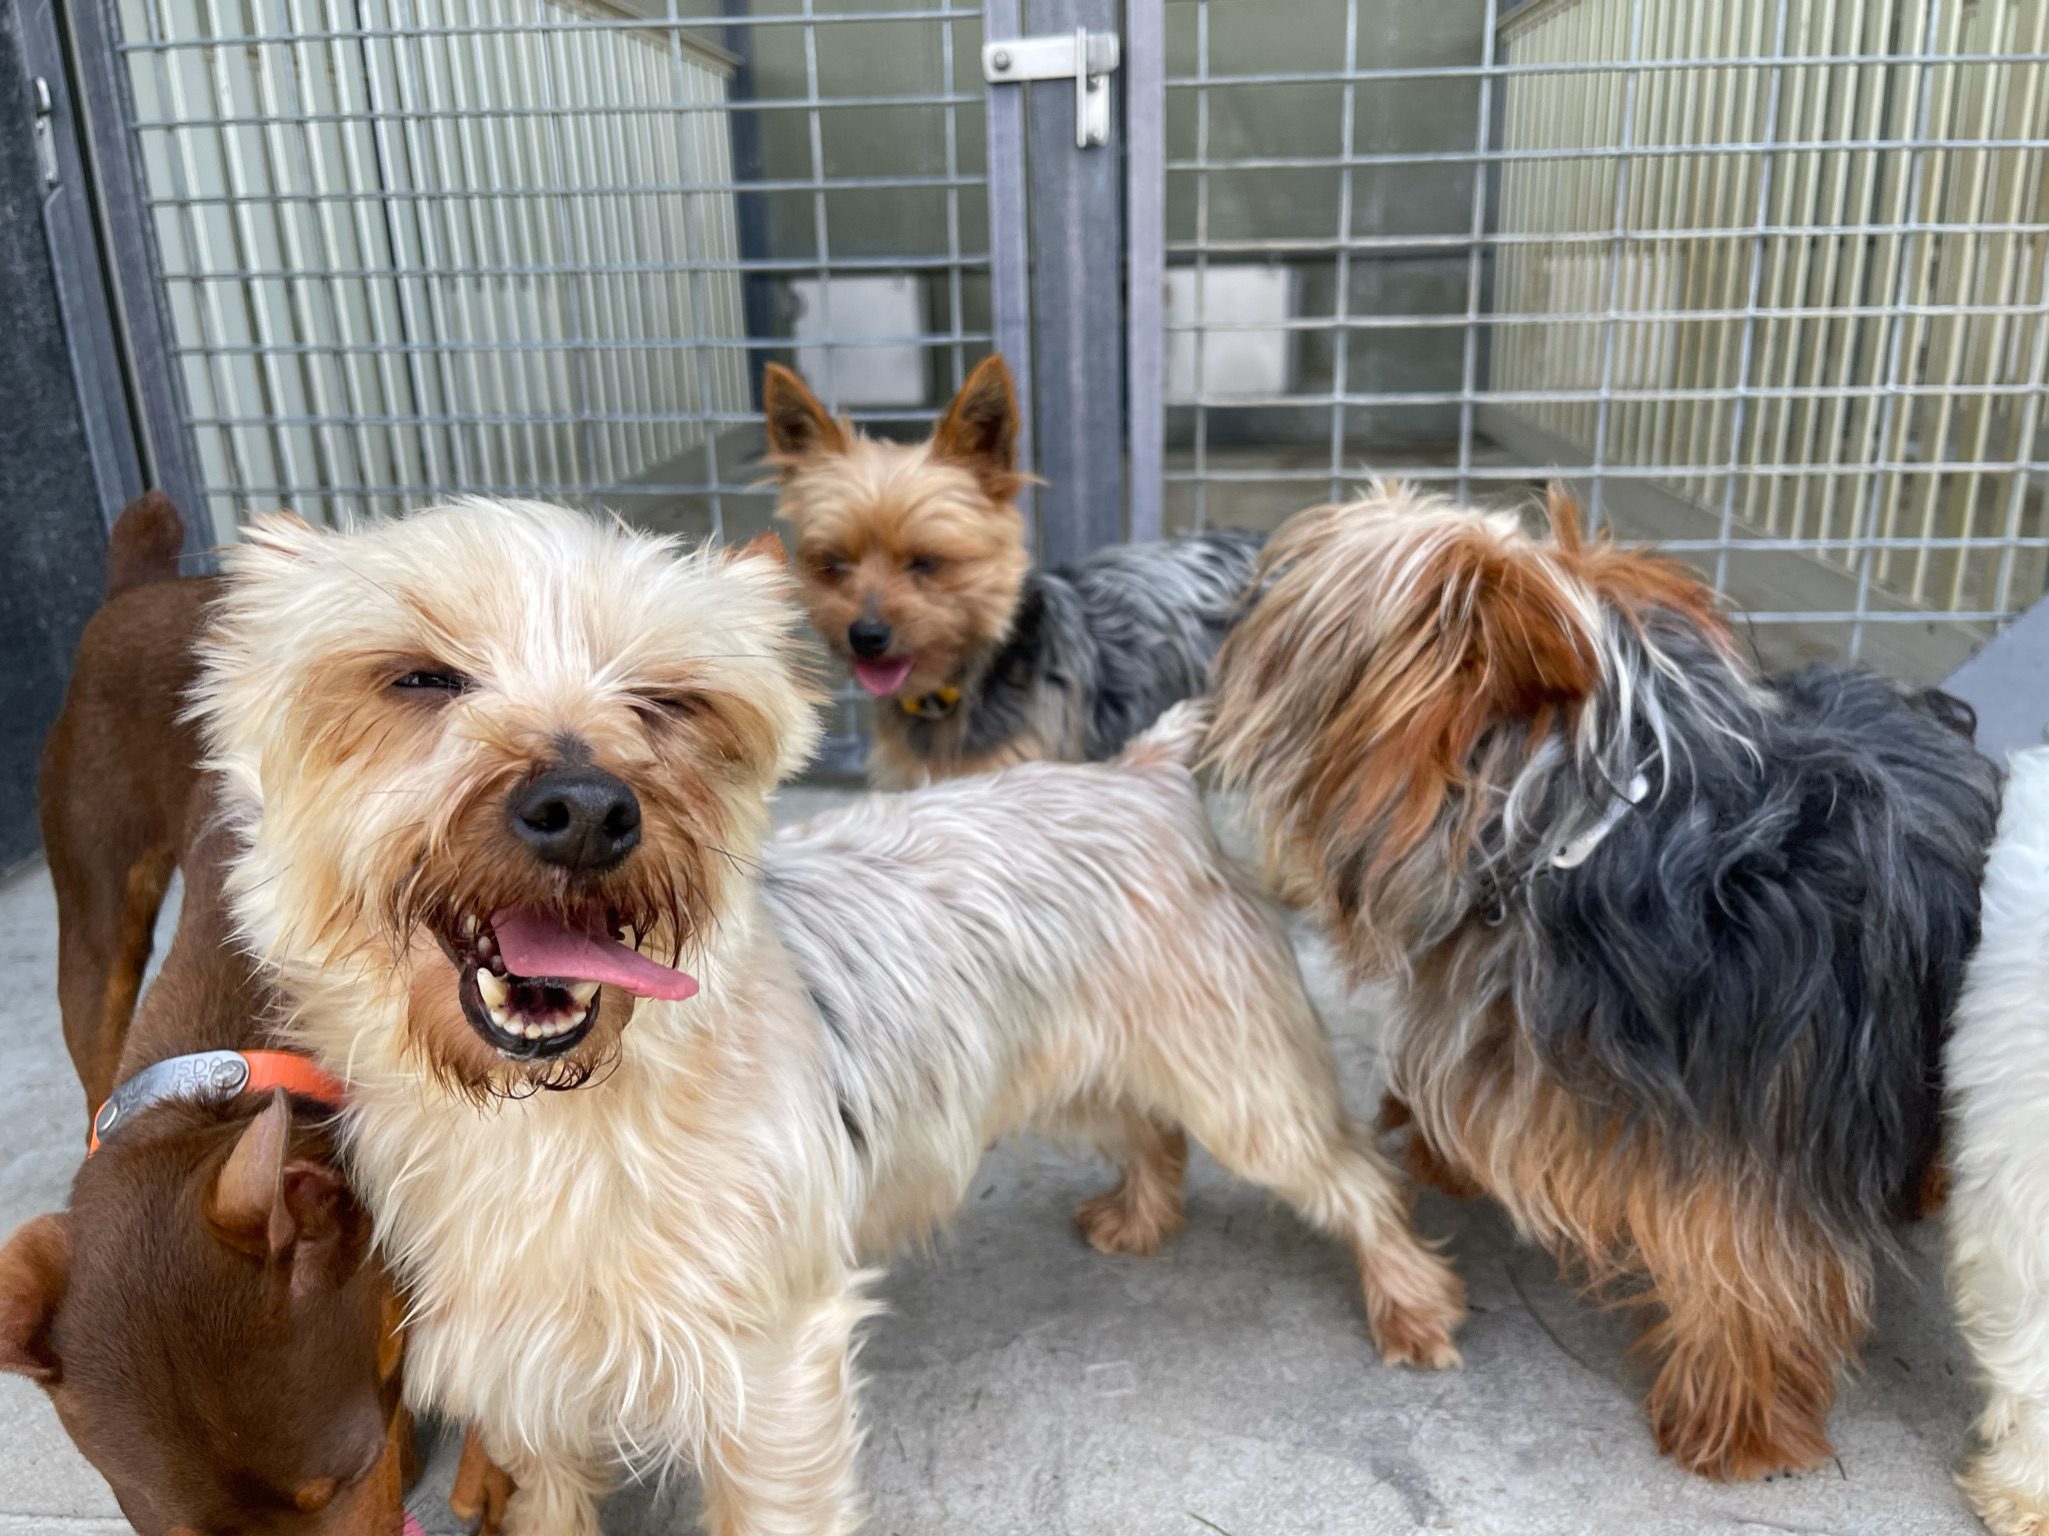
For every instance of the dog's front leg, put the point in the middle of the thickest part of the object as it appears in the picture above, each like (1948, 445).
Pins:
(785, 1466)
(553, 1497)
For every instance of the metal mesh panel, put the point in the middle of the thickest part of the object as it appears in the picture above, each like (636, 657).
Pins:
(1764, 279)
(542, 247)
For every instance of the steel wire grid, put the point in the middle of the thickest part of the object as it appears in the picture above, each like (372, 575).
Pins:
(544, 247)
(1765, 279)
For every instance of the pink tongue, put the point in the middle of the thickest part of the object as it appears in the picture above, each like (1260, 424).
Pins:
(882, 678)
(411, 1526)
(537, 945)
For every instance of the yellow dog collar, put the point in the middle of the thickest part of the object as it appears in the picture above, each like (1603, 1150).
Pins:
(936, 705)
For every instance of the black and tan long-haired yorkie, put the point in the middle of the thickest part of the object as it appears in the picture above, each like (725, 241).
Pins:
(1675, 944)
(914, 570)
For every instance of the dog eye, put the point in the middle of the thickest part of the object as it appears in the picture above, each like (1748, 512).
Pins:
(924, 565)
(829, 567)
(675, 706)
(433, 679)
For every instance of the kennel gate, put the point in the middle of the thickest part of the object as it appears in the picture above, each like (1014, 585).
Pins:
(1766, 279)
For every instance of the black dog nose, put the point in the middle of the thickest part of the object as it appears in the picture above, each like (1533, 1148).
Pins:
(868, 638)
(582, 819)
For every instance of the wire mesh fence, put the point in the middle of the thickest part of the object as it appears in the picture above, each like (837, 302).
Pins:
(542, 247)
(1763, 279)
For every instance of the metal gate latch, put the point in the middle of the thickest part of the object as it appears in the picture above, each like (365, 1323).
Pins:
(46, 143)
(1087, 58)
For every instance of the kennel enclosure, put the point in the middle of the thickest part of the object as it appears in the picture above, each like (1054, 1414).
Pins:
(1763, 279)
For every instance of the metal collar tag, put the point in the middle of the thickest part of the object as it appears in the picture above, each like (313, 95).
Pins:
(1575, 853)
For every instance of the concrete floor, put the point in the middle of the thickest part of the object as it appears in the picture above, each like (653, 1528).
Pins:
(1021, 1383)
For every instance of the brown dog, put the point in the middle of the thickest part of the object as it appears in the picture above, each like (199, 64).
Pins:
(117, 775)
(206, 1317)
(251, 1384)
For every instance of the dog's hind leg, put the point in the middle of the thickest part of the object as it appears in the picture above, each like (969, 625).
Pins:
(786, 1468)
(1757, 1320)
(106, 926)
(1145, 1207)
(1293, 1138)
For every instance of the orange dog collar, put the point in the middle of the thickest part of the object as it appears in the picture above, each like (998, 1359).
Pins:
(212, 1076)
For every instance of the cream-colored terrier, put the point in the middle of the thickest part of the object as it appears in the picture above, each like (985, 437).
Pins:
(487, 763)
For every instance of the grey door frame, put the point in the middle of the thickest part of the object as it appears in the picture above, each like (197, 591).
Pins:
(81, 276)
(1077, 256)
(122, 339)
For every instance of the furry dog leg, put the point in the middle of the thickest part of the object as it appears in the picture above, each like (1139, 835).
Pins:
(1998, 1075)
(1425, 1168)
(551, 1496)
(481, 1489)
(1145, 1208)
(786, 1466)
(1324, 1164)
(1758, 1318)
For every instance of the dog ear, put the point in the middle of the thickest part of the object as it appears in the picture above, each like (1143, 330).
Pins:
(1563, 513)
(247, 1206)
(35, 1270)
(979, 428)
(767, 546)
(1635, 578)
(1384, 652)
(266, 1201)
(1492, 636)
(798, 424)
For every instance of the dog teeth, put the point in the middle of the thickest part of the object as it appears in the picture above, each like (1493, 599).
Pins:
(495, 990)
(466, 925)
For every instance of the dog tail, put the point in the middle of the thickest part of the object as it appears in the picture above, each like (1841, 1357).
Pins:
(1177, 737)
(148, 537)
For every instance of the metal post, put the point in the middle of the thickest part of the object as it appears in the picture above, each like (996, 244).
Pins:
(1077, 261)
(1145, 235)
(1010, 273)
(142, 333)
(75, 264)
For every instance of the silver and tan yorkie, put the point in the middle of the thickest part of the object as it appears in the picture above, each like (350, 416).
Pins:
(912, 563)
(1675, 944)
(634, 1090)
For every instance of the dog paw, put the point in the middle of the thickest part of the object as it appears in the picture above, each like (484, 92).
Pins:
(1114, 1223)
(1421, 1341)
(1419, 1332)
(1415, 1303)
(480, 1492)
(1743, 1452)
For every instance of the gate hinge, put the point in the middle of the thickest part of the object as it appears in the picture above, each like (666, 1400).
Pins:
(46, 131)
(1087, 58)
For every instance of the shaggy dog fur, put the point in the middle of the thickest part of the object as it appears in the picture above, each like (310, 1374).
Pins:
(661, 1265)
(1999, 1163)
(913, 568)
(1680, 943)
